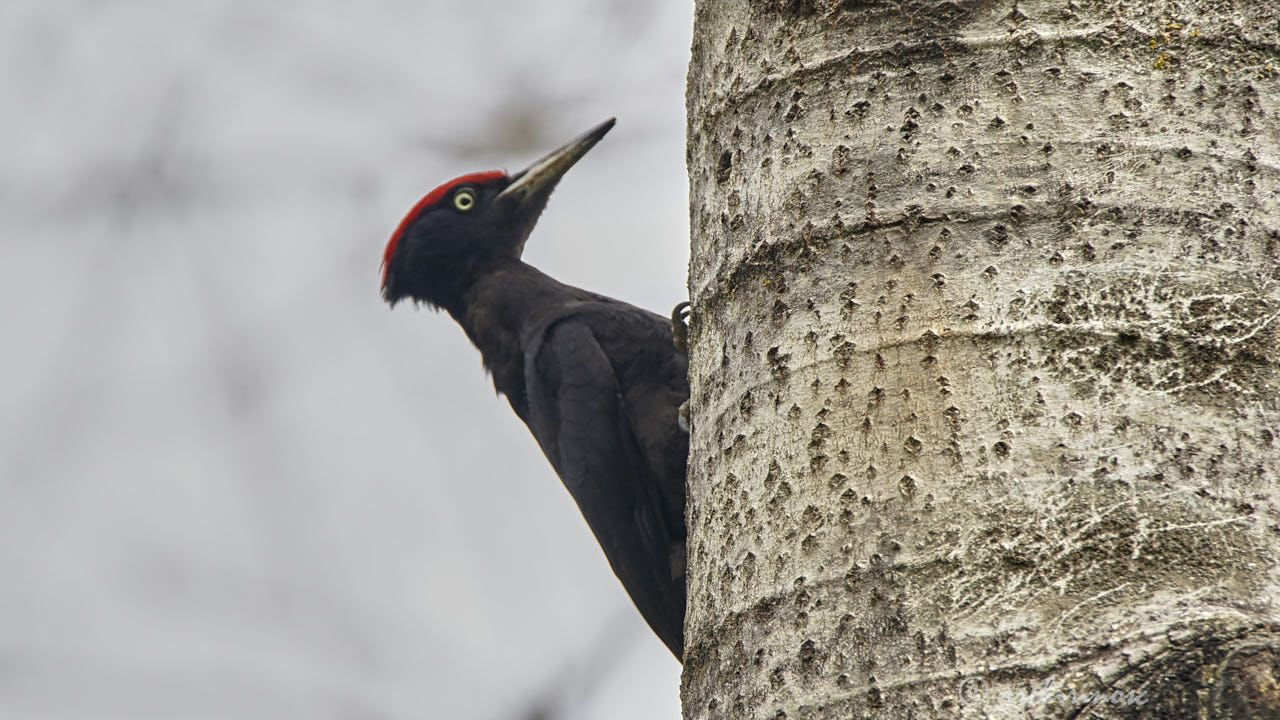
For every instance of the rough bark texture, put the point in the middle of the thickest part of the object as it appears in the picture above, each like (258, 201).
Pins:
(985, 371)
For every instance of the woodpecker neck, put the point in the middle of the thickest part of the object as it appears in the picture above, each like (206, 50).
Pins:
(500, 307)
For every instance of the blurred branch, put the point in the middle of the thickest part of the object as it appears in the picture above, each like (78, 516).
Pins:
(583, 673)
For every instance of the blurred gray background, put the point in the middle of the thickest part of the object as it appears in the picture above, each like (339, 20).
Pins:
(234, 484)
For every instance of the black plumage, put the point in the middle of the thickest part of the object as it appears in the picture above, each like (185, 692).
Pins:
(598, 382)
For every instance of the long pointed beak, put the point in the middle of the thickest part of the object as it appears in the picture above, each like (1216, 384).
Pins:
(532, 186)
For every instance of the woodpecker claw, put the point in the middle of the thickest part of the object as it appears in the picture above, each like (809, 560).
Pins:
(680, 337)
(680, 327)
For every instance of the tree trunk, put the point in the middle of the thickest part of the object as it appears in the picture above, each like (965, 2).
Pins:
(986, 379)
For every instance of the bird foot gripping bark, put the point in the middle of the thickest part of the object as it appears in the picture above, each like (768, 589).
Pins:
(680, 327)
(680, 336)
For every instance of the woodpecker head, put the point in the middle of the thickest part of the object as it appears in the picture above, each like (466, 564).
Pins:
(470, 224)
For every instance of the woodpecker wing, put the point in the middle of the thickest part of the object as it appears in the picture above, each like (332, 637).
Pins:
(600, 416)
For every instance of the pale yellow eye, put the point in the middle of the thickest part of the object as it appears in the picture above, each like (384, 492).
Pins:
(464, 200)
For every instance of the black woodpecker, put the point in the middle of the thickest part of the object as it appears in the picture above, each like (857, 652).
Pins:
(598, 382)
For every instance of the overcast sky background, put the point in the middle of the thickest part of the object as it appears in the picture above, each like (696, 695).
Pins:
(233, 484)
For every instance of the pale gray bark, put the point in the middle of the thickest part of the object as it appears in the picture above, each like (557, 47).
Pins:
(985, 381)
